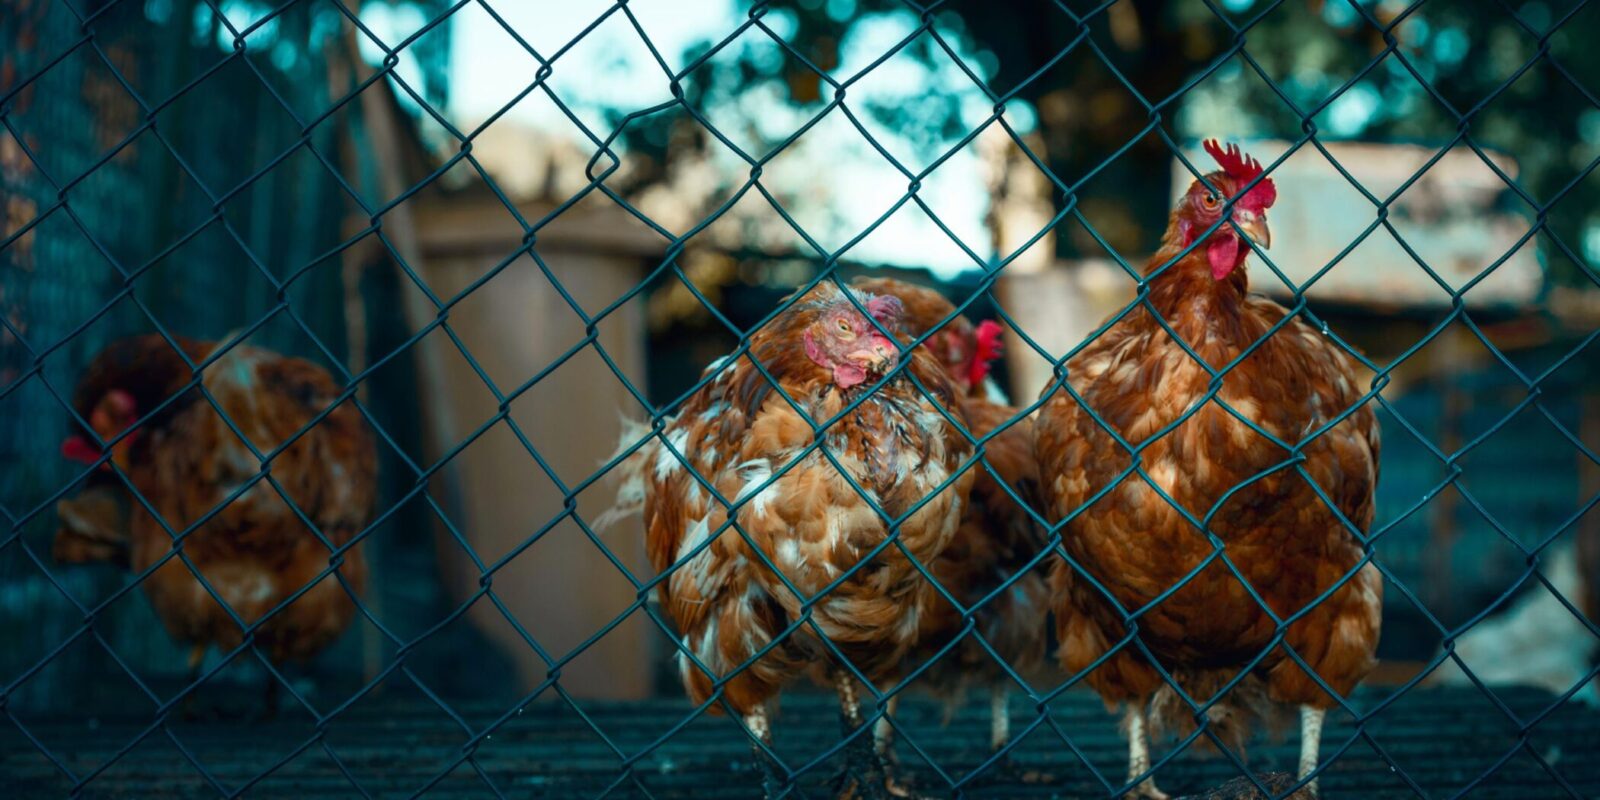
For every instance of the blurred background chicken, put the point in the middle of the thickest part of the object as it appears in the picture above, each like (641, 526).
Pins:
(997, 538)
(1279, 532)
(187, 463)
(740, 432)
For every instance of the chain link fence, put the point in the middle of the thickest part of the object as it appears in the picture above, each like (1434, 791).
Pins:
(155, 219)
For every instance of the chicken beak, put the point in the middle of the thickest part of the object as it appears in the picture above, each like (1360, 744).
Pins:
(120, 456)
(874, 358)
(1254, 226)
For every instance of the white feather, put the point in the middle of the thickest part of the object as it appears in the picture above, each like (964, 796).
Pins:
(697, 534)
(788, 552)
(754, 474)
(993, 392)
(666, 460)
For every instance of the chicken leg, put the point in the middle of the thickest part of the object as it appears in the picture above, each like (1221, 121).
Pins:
(1006, 769)
(190, 706)
(999, 718)
(1310, 743)
(760, 743)
(883, 732)
(271, 696)
(1139, 757)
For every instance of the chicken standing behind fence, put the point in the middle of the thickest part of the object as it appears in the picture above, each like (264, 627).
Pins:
(186, 462)
(741, 431)
(1290, 540)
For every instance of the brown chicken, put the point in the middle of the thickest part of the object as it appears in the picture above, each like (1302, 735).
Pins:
(809, 523)
(998, 537)
(967, 351)
(185, 461)
(1196, 455)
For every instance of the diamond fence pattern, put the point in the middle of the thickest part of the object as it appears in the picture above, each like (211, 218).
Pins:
(67, 186)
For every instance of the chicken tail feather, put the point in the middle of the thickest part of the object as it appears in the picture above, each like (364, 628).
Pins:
(630, 474)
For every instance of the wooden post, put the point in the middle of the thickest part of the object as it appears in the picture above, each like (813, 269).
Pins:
(561, 588)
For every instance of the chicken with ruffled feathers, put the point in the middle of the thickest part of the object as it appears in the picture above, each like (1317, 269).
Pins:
(998, 536)
(797, 512)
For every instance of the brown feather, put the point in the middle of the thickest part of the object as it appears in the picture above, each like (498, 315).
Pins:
(255, 552)
(810, 524)
(997, 537)
(1280, 535)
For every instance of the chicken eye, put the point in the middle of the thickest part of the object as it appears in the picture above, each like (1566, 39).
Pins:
(1210, 199)
(844, 328)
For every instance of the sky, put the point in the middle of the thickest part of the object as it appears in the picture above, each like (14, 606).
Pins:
(836, 182)
(841, 183)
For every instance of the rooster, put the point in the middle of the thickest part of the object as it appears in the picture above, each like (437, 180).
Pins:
(997, 538)
(185, 461)
(1194, 453)
(744, 440)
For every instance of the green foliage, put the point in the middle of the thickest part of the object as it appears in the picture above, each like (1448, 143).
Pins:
(1110, 91)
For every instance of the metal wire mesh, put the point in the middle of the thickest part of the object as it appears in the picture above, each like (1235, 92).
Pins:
(62, 197)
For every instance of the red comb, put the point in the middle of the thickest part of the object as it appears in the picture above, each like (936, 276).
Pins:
(885, 308)
(1242, 168)
(988, 349)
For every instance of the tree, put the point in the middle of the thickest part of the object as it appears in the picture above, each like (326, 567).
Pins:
(1110, 88)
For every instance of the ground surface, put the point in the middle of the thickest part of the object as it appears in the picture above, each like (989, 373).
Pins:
(1433, 743)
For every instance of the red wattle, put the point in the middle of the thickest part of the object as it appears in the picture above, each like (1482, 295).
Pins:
(1223, 252)
(846, 376)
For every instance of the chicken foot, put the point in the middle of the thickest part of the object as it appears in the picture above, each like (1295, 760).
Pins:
(1005, 769)
(866, 775)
